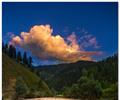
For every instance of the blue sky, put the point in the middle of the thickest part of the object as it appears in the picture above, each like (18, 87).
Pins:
(97, 19)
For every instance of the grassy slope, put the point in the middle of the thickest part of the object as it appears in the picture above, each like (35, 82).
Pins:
(11, 70)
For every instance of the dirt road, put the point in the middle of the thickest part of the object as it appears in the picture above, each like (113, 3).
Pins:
(51, 98)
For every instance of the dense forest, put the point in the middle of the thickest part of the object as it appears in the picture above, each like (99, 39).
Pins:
(83, 79)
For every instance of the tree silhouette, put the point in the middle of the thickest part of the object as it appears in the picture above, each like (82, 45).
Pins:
(19, 57)
(25, 60)
(12, 51)
(6, 48)
(30, 61)
(3, 46)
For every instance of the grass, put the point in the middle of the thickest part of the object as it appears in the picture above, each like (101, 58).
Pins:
(11, 70)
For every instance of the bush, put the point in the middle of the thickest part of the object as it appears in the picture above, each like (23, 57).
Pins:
(21, 88)
(111, 92)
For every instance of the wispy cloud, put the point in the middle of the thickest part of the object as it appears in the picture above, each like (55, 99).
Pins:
(88, 40)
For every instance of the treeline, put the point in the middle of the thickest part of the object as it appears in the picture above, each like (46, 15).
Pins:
(11, 51)
(100, 81)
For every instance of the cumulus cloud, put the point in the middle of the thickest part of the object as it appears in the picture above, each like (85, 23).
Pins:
(40, 41)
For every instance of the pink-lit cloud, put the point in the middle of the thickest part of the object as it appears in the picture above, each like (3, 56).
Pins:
(40, 41)
(88, 40)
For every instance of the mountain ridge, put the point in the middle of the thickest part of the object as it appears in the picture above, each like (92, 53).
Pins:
(66, 74)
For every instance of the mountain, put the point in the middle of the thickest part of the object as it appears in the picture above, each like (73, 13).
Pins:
(12, 70)
(61, 75)
(65, 75)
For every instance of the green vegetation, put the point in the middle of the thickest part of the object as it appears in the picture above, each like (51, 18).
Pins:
(13, 72)
(87, 80)
(21, 88)
(19, 57)
(84, 80)
(86, 88)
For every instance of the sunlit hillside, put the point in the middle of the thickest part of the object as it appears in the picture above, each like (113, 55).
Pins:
(12, 71)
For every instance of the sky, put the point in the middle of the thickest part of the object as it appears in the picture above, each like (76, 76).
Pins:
(85, 29)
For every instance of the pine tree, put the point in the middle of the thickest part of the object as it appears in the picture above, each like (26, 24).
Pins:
(30, 61)
(6, 48)
(10, 51)
(25, 60)
(19, 57)
(3, 46)
(14, 52)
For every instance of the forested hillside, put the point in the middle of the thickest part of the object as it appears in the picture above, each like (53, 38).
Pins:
(66, 79)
